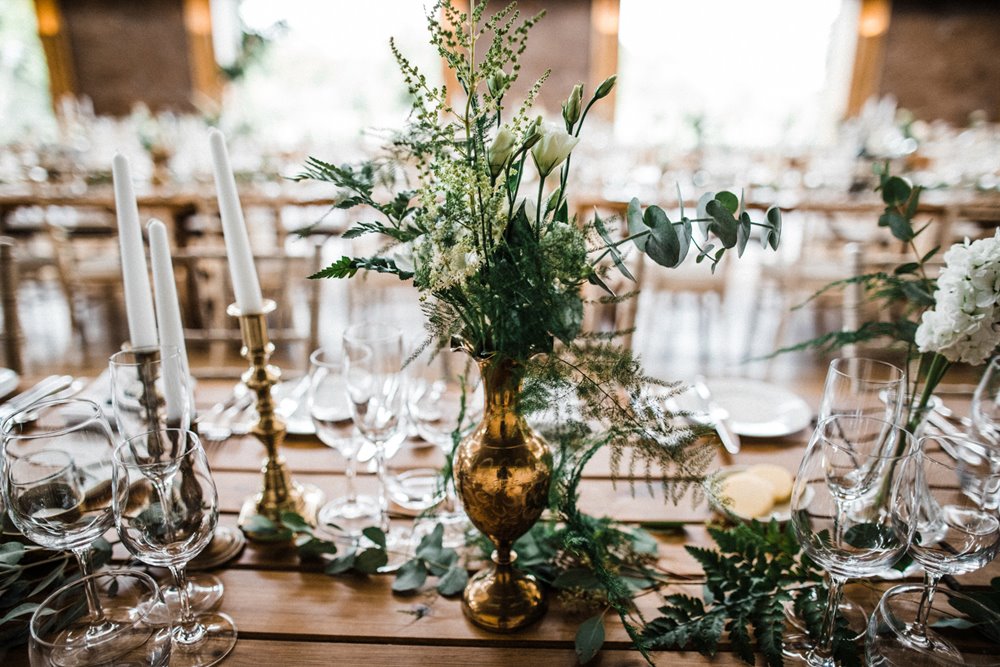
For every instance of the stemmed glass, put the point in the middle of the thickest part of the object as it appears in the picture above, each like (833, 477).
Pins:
(330, 411)
(855, 472)
(148, 392)
(167, 507)
(986, 405)
(373, 364)
(129, 597)
(863, 387)
(57, 484)
(956, 524)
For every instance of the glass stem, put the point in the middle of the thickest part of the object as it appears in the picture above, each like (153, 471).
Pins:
(351, 473)
(383, 503)
(190, 631)
(86, 568)
(926, 601)
(823, 653)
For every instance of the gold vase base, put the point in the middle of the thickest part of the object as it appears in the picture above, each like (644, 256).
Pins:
(503, 599)
(303, 499)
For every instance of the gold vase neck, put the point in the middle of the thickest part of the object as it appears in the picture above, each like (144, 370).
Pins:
(502, 392)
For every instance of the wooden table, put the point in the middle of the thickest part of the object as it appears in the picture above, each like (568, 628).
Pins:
(289, 613)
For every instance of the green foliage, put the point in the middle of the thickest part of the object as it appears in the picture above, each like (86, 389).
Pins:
(432, 559)
(753, 573)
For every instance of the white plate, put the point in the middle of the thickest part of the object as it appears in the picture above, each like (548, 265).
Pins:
(8, 381)
(756, 409)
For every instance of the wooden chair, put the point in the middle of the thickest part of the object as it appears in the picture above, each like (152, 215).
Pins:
(11, 333)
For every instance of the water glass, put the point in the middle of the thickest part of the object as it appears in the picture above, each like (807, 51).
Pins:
(132, 605)
(167, 507)
(445, 396)
(855, 472)
(956, 532)
(986, 405)
(330, 411)
(863, 387)
(960, 641)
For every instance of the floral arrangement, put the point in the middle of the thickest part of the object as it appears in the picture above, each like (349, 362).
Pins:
(952, 318)
(500, 273)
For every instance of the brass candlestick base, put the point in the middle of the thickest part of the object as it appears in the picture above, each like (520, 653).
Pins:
(280, 493)
(502, 598)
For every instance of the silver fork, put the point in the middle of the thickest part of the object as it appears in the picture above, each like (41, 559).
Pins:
(216, 426)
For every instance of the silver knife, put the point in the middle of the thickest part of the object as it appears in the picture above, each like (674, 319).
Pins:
(718, 415)
(46, 387)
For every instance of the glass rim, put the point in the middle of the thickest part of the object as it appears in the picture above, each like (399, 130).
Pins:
(384, 332)
(833, 367)
(819, 434)
(192, 444)
(317, 358)
(163, 351)
(83, 581)
(901, 589)
(945, 459)
(20, 460)
(94, 409)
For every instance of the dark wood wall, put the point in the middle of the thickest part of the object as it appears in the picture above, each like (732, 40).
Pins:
(942, 59)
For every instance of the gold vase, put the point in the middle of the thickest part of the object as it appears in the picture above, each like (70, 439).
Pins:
(502, 472)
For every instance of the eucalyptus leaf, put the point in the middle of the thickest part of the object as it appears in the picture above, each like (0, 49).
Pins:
(311, 547)
(410, 576)
(634, 218)
(723, 224)
(742, 233)
(577, 578)
(895, 191)
(370, 560)
(729, 200)
(295, 523)
(773, 216)
(376, 535)
(341, 564)
(589, 638)
(453, 581)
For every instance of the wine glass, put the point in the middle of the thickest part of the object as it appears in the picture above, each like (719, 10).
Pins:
(863, 387)
(167, 507)
(330, 411)
(57, 485)
(956, 531)
(373, 364)
(148, 392)
(887, 644)
(445, 400)
(58, 627)
(986, 405)
(855, 471)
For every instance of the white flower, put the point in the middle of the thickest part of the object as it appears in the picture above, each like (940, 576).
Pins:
(403, 256)
(964, 324)
(500, 150)
(555, 146)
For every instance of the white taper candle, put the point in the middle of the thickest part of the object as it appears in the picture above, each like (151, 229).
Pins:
(168, 317)
(138, 297)
(234, 230)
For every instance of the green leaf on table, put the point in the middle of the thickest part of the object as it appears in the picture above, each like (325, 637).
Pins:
(589, 638)
(341, 564)
(443, 562)
(430, 547)
(869, 536)
(453, 581)
(410, 577)
(376, 535)
(100, 553)
(11, 553)
(310, 547)
(295, 523)
(20, 610)
(259, 523)
(370, 560)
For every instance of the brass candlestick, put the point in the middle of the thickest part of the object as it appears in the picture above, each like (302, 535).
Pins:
(280, 492)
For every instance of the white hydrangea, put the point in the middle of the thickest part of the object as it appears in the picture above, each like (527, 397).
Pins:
(964, 324)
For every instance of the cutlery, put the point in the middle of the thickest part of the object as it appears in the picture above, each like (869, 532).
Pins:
(718, 415)
(48, 386)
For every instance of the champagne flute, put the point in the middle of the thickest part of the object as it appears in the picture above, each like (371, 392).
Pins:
(167, 507)
(129, 596)
(957, 528)
(373, 365)
(845, 520)
(330, 411)
(57, 485)
(148, 392)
